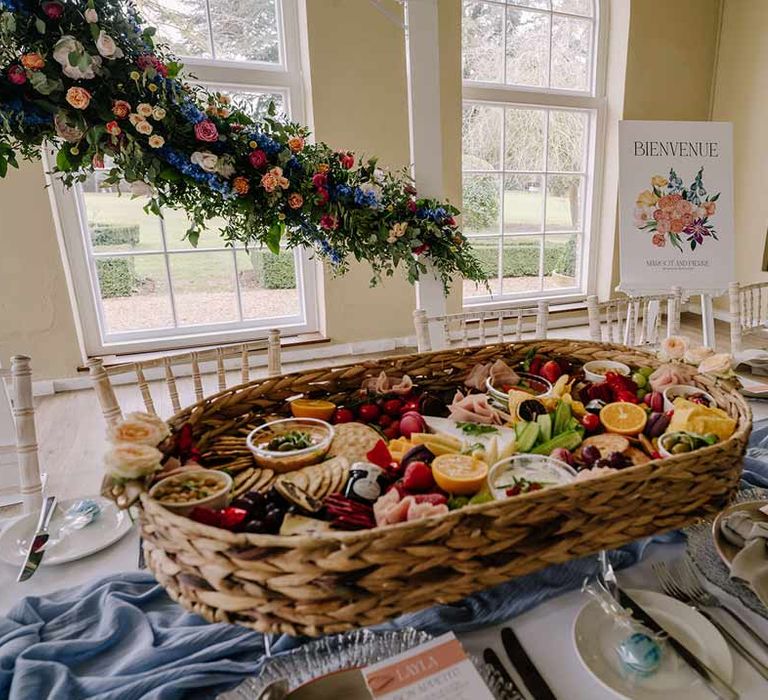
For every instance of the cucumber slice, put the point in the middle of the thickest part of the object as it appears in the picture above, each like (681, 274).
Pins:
(545, 427)
(527, 437)
(570, 440)
(563, 417)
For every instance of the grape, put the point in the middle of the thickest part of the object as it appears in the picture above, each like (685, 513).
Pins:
(254, 526)
(243, 502)
(590, 454)
(602, 463)
(618, 461)
(273, 520)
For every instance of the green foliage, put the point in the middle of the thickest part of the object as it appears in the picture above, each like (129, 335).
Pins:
(522, 259)
(274, 271)
(115, 235)
(117, 277)
(481, 203)
(566, 263)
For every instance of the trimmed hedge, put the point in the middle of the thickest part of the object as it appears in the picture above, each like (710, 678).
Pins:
(521, 260)
(115, 234)
(117, 277)
(273, 271)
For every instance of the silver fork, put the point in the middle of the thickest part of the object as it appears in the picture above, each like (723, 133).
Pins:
(672, 579)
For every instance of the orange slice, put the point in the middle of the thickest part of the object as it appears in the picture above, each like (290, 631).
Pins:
(623, 418)
(459, 474)
(312, 408)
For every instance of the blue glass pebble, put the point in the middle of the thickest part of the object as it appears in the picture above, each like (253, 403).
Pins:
(640, 654)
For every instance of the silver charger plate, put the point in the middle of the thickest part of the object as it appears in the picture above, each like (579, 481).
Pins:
(345, 651)
(702, 552)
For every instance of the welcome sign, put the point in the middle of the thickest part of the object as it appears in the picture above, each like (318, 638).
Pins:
(676, 206)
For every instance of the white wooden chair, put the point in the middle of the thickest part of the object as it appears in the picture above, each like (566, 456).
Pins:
(634, 320)
(110, 408)
(479, 327)
(749, 311)
(18, 383)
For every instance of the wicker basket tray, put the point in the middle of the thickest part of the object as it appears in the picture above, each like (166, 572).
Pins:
(331, 582)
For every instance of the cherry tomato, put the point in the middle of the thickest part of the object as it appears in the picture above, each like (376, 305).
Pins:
(410, 405)
(591, 422)
(392, 407)
(385, 421)
(368, 412)
(343, 415)
(393, 431)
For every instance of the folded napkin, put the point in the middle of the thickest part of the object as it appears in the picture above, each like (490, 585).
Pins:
(751, 563)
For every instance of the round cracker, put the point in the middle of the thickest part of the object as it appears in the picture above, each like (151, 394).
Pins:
(637, 456)
(607, 443)
(353, 441)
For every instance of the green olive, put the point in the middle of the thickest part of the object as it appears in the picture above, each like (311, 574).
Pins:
(680, 448)
(711, 438)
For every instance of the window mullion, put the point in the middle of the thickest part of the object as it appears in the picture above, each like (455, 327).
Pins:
(166, 259)
(545, 192)
(238, 297)
(503, 163)
(210, 28)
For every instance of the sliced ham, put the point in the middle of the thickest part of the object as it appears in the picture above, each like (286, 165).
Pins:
(388, 385)
(503, 375)
(424, 510)
(474, 409)
(477, 376)
(390, 509)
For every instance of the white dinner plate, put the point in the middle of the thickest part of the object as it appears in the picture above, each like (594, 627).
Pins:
(596, 641)
(107, 529)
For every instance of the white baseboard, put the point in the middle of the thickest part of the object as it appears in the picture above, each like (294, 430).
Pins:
(694, 307)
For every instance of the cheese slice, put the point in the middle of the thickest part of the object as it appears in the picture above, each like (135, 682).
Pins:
(294, 524)
(496, 445)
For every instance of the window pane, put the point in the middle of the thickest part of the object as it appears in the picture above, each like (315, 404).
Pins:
(527, 47)
(571, 53)
(204, 287)
(481, 137)
(117, 222)
(482, 41)
(255, 104)
(481, 210)
(522, 260)
(561, 261)
(567, 141)
(176, 225)
(541, 4)
(486, 249)
(523, 203)
(525, 138)
(245, 31)
(267, 284)
(578, 7)
(564, 202)
(182, 24)
(134, 293)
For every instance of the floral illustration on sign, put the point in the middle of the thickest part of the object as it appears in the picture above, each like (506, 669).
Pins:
(671, 211)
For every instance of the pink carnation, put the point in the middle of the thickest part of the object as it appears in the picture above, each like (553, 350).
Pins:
(320, 180)
(206, 131)
(329, 222)
(147, 59)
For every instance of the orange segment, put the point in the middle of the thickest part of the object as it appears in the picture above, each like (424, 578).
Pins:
(623, 418)
(459, 474)
(312, 408)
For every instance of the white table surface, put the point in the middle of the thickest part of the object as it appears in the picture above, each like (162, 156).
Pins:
(546, 631)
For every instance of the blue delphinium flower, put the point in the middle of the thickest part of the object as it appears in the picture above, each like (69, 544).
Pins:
(438, 215)
(266, 143)
(28, 114)
(191, 112)
(187, 167)
(342, 191)
(333, 255)
(293, 163)
(365, 199)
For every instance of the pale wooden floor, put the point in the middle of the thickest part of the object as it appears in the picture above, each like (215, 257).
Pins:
(71, 429)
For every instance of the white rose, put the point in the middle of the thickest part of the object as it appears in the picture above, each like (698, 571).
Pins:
(140, 189)
(206, 160)
(67, 131)
(698, 353)
(129, 460)
(719, 365)
(144, 127)
(144, 109)
(91, 16)
(673, 348)
(158, 113)
(139, 427)
(67, 45)
(107, 47)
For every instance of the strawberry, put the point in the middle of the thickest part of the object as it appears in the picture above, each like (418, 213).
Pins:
(418, 477)
(550, 371)
(436, 499)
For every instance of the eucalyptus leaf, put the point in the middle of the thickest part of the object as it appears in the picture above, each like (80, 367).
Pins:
(40, 25)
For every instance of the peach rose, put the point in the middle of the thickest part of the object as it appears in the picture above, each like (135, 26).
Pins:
(719, 365)
(121, 109)
(144, 127)
(295, 200)
(32, 61)
(156, 141)
(676, 225)
(139, 427)
(135, 119)
(158, 113)
(273, 179)
(659, 240)
(697, 354)
(296, 143)
(241, 185)
(144, 109)
(673, 348)
(130, 460)
(78, 97)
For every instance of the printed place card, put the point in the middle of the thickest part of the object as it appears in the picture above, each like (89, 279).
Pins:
(437, 670)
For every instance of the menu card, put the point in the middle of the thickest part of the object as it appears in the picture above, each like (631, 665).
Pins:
(437, 670)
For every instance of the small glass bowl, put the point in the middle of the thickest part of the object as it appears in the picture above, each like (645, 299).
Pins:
(592, 375)
(684, 390)
(503, 396)
(533, 468)
(215, 500)
(294, 459)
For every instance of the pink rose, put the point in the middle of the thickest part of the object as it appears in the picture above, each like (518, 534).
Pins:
(16, 74)
(53, 9)
(320, 180)
(258, 158)
(329, 222)
(411, 206)
(146, 60)
(206, 131)
(347, 160)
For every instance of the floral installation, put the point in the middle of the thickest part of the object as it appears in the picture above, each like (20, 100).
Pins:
(671, 211)
(87, 76)
(134, 441)
(682, 356)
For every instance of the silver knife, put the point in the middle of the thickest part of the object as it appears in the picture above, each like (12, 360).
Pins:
(714, 682)
(37, 548)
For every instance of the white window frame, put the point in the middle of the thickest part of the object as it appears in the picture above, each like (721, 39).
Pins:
(287, 78)
(593, 100)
